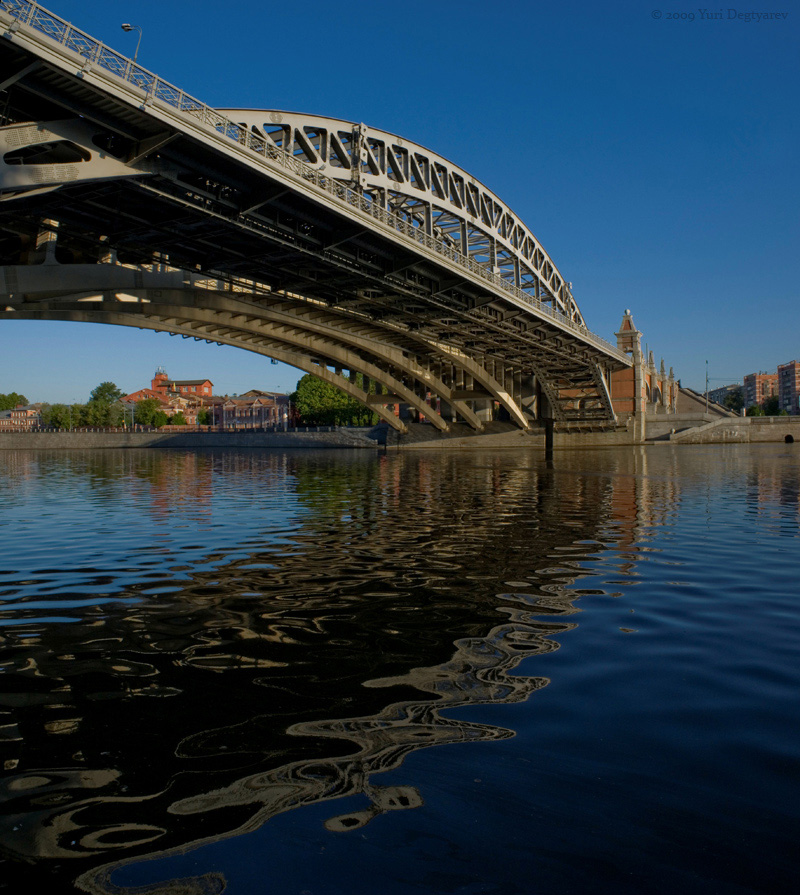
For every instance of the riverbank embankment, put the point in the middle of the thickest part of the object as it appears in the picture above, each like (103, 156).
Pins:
(742, 430)
(419, 436)
(78, 441)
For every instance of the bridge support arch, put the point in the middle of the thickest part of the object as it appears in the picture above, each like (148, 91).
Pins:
(407, 368)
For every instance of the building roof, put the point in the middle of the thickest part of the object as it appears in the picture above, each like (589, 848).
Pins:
(260, 393)
(142, 393)
(242, 400)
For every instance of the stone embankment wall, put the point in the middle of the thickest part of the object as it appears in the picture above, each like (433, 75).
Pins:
(335, 438)
(661, 427)
(420, 437)
(501, 436)
(742, 430)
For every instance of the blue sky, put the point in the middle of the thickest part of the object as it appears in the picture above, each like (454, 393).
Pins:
(655, 158)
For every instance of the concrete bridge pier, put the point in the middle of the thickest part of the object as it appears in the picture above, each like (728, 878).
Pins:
(484, 409)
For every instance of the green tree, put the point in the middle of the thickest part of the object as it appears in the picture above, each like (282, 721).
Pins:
(116, 414)
(146, 410)
(65, 416)
(80, 415)
(95, 413)
(56, 415)
(755, 410)
(772, 407)
(12, 400)
(321, 404)
(734, 400)
(160, 419)
(99, 411)
(107, 392)
(178, 419)
(205, 417)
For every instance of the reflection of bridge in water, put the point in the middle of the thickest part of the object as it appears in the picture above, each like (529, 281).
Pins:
(334, 247)
(294, 644)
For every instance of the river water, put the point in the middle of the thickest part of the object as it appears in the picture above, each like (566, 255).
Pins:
(347, 673)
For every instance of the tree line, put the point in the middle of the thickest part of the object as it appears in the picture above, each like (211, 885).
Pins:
(316, 402)
(104, 410)
(12, 400)
(734, 401)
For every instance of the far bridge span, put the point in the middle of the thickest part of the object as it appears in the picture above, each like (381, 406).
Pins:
(332, 246)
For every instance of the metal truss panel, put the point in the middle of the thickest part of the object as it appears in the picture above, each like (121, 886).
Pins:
(435, 194)
(50, 154)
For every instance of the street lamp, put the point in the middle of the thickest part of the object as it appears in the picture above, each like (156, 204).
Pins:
(127, 27)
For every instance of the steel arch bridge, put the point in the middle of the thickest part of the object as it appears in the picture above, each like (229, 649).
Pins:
(334, 247)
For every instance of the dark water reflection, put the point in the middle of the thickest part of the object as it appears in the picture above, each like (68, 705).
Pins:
(193, 645)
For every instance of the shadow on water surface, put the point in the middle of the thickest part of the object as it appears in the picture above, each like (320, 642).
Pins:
(265, 632)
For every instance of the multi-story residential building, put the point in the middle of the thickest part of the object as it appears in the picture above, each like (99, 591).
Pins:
(718, 395)
(789, 387)
(758, 387)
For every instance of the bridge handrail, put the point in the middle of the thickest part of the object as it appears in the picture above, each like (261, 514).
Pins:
(59, 30)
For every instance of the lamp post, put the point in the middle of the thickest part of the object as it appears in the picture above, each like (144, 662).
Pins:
(128, 27)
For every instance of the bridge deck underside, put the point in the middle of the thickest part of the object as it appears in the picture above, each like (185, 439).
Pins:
(332, 276)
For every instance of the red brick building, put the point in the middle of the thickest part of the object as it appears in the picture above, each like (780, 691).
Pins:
(162, 383)
(758, 387)
(21, 417)
(186, 396)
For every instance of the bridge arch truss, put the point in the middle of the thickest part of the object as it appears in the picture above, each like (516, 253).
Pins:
(422, 188)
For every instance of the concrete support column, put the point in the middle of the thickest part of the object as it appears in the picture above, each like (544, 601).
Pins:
(106, 255)
(527, 394)
(545, 414)
(548, 440)
(483, 408)
(640, 397)
(46, 240)
(446, 411)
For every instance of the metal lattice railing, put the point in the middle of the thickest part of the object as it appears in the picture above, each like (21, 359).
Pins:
(97, 54)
